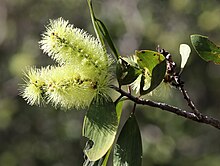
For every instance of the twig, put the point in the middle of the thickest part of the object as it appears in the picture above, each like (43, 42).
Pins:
(180, 85)
(119, 98)
(190, 102)
(134, 108)
(173, 77)
(189, 115)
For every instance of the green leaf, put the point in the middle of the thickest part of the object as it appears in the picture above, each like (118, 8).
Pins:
(128, 149)
(184, 52)
(87, 162)
(126, 73)
(206, 49)
(95, 24)
(101, 31)
(100, 126)
(148, 59)
(101, 162)
(104, 160)
(107, 37)
(154, 67)
(119, 107)
(158, 74)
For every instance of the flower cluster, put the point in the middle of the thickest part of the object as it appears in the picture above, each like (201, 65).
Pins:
(82, 73)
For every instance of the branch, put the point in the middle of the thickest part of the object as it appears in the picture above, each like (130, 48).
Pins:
(179, 84)
(188, 115)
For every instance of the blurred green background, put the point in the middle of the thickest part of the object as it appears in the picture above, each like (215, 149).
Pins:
(43, 136)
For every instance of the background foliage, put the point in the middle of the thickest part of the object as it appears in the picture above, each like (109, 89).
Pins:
(31, 136)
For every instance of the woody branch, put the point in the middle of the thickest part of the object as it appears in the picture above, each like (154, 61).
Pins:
(169, 108)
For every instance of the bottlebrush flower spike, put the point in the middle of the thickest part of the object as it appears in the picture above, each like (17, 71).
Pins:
(82, 75)
(61, 41)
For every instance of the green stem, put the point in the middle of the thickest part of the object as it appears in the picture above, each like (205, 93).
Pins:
(96, 28)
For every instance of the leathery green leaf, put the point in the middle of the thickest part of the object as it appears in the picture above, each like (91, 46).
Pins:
(101, 31)
(206, 49)
(126, 73)
(101, 162)
(104, 160)
(119, 107)
(158, 74)
(100, 126)
(128, 149)
(148, 59)
(153, 65)
(107, 37)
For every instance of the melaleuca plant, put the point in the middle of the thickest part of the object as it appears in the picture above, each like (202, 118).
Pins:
(84, 73)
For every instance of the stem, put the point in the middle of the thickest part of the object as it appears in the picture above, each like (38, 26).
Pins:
(163, 106)
(190, 102)
(134, 108)
(94, 23)
(180, 85)
(118, 99)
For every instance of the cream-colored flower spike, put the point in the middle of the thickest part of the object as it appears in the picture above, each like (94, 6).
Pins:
(83, 72)
(61, 41)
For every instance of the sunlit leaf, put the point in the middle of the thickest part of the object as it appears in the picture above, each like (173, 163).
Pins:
(101, 162)
(100, 126)
(87, 162)
(119, 107)
(206, 49)
(128, 149)
(184, 52)
(104, 160)
(148, 59)
(154, 67)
